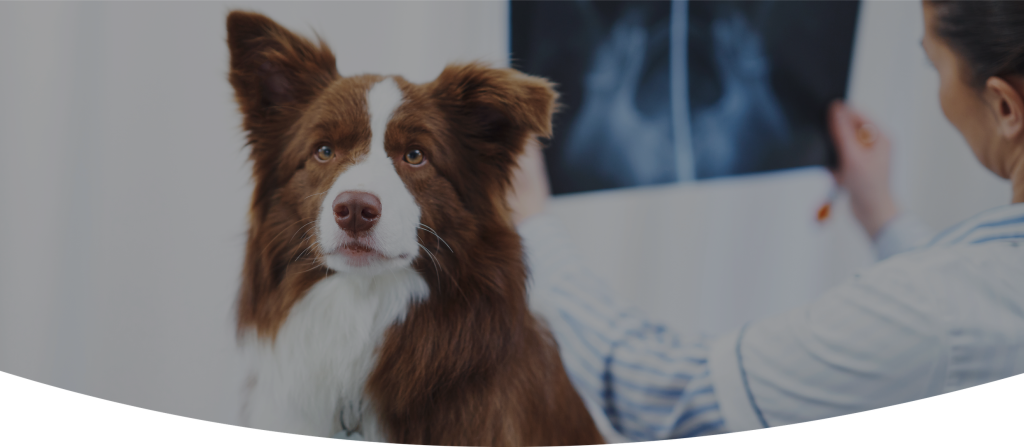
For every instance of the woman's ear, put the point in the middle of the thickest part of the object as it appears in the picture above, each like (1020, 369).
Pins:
(1007, 105)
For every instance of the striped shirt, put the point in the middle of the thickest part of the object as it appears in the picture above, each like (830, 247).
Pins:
(928, 321)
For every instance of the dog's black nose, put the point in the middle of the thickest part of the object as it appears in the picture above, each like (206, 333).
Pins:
(356, 211)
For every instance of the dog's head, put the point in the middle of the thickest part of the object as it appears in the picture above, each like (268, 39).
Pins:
(367, 174)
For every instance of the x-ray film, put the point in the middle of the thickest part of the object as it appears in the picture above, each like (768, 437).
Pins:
(662, 92)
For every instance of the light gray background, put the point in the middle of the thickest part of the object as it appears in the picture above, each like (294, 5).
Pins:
(124, 188)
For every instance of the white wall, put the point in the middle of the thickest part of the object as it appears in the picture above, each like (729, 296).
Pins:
(124, 186)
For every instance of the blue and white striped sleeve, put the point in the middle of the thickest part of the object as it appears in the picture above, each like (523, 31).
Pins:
(901, 234)
(638, 378)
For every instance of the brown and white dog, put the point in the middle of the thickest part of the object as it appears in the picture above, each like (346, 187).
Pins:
(384, 288)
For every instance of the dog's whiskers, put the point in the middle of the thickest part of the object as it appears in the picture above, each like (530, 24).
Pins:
(432, 259)
(317, 260)
(305, 239)
(317, 194)
(437, 264)
(283, 230)
(316, 264)
(303, 252)
(304, 226)
(439, 238)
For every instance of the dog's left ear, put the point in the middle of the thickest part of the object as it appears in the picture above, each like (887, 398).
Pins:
(273, 70)
(495, 110)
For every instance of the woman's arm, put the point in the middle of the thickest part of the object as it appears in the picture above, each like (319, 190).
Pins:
(864, 160)
(644, 381)
(878, 339)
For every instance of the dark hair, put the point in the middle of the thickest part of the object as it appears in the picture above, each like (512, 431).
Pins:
(988, 35)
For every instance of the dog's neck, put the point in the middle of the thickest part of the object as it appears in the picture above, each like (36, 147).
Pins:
(326, 348)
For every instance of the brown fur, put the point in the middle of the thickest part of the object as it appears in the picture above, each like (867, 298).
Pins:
(470, 365)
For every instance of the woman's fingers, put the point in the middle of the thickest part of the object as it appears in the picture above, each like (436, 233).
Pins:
(863, 166)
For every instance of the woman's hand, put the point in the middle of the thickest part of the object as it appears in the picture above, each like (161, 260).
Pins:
(863, 166)
(530, 189)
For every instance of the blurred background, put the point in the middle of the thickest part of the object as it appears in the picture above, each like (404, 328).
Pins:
(124, 188)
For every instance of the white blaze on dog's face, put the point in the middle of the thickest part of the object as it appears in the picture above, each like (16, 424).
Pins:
(368, 219)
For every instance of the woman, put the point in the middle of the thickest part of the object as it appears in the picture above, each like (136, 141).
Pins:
(939, 318)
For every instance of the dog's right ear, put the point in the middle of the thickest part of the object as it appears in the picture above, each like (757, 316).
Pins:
(274, 71)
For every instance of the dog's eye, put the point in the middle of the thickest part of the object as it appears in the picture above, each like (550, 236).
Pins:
(324, 153)
(414, 157)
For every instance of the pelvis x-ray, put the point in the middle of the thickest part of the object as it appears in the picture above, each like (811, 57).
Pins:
(660, 92)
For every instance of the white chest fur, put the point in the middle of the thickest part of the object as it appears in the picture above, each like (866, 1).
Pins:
(311, 378)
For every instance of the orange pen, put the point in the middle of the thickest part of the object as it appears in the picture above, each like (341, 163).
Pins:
(826, 208)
